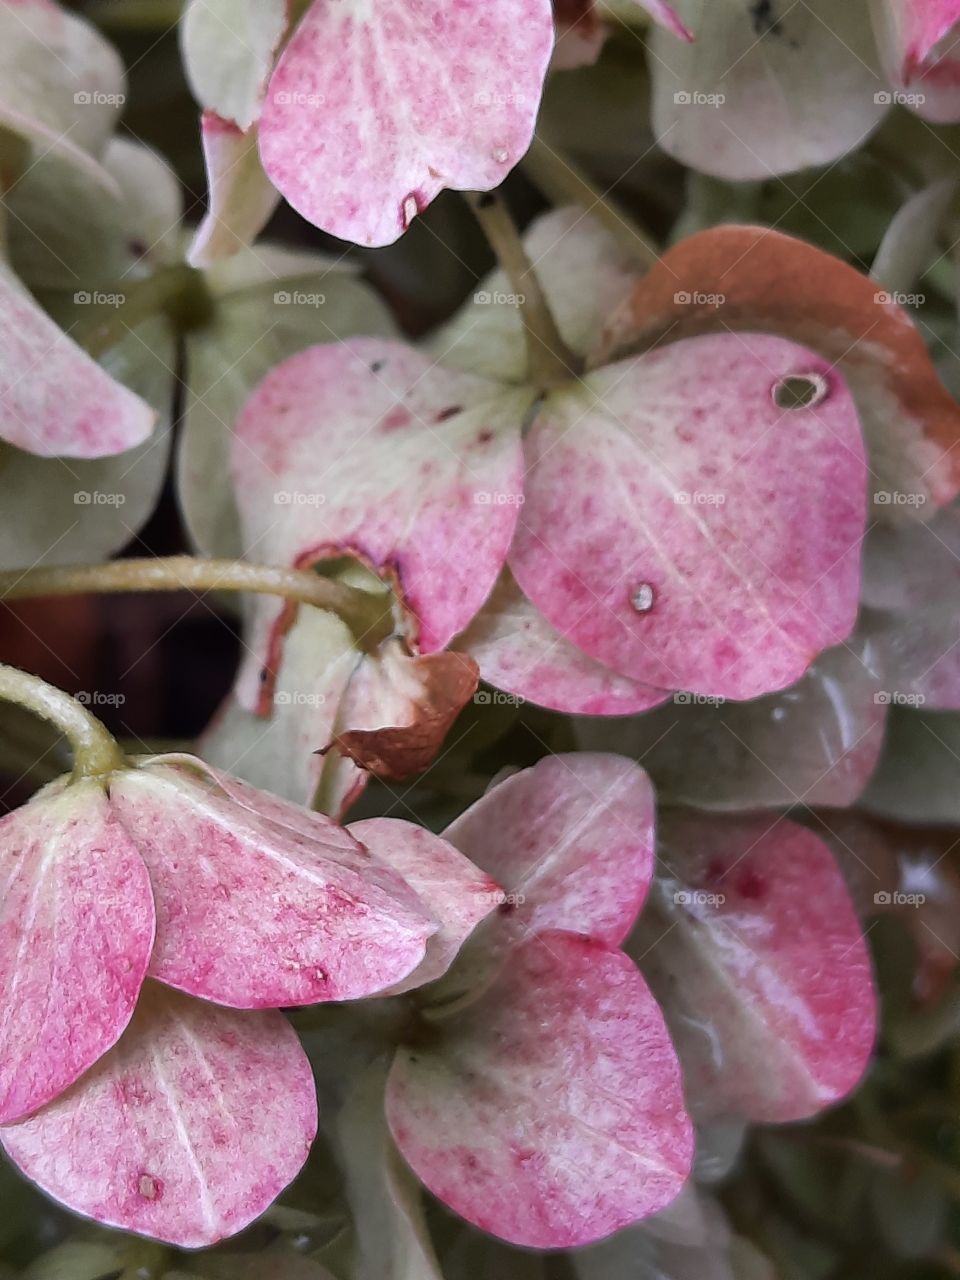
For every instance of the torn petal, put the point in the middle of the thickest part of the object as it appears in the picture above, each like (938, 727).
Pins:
(687, 526)
(76, 930)
(261, 904)
(415, 101)
(549, 1112)
(366, 447)
(186, 1131)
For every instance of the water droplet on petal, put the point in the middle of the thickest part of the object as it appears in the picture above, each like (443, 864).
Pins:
(641, 597)
(147, 1187)
(501, 155)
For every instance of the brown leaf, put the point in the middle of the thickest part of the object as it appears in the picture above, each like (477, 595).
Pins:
(397, 751)
(754, 279)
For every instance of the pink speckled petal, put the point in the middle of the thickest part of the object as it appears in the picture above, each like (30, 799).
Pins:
(55, 400)
(418, 98)
(518, 651)
(261, 904)
(909, 33)
(229, 47)
(753, 947)
(367, 447)
(570, 841)
(451, 888)
(76, 929)
(186, 1131)
(240, 199)
(684, 529)
(549, 1112)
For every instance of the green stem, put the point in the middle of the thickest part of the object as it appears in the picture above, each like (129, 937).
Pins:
(95, 751)
(179, 291)
(365, 614)
(563, 183)
(550, 362)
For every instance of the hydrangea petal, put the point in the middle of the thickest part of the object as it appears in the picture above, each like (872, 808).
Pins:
(261, 904)
(909, 33)
(364, 447)
(416, 100)
(54, 399)
(570, 841)
(816, 742)
(62, 83)
(919, 654)
(229, 48)
(569, 1043)
(453, 890)
(913, 566)
(270, 303)
(753, 946)
(240, 197)
(763, 92)
(76, 930)
(517, 650)
(755, 279)
(687, 531)
(186, 1131)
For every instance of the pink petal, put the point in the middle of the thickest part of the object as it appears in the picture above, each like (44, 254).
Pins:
(365, 447)
(56, 400)
(817, 742)
(549, 1112)
(519, 651)
(229, 47)
(570, 841)
(76, 929)
(240, 199)
(262, 904)
(909, 33)
(667, 17)
(759, 960)
(186, 1132)
(416, 100)
(684, 529)
(452, 889)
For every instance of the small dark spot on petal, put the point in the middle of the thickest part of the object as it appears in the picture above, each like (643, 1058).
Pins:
(450, 412)
(377, 366)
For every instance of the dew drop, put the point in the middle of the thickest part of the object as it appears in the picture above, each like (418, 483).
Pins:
(409, 210)
(147, 1187)
(641, 597)
(501, 155)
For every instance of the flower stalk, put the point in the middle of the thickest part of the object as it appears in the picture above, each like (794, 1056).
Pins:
(96, 752)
